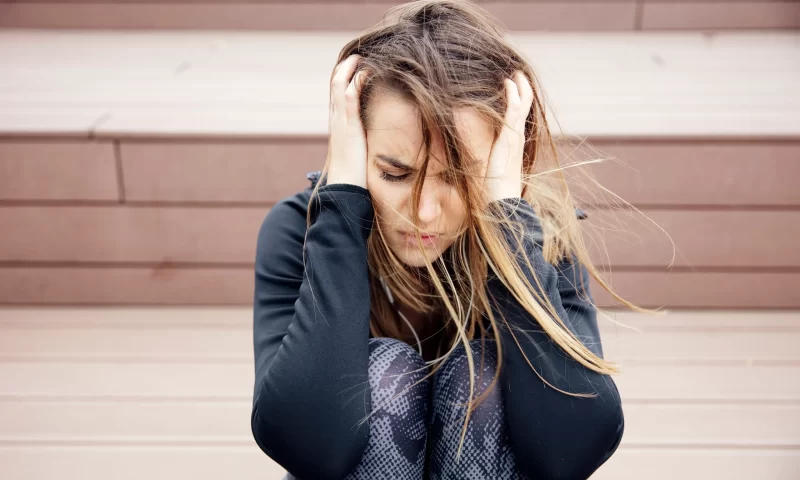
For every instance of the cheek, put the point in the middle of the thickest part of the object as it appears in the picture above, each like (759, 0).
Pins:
(388, 201)
(372, 177)
(454, 210)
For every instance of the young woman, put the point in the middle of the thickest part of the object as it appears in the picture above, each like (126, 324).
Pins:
(422, 311)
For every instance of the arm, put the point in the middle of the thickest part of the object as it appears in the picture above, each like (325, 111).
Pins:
(573, 288)
(311, 330)
(553, 435)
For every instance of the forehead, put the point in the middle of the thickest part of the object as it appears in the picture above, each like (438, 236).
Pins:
(395, 129)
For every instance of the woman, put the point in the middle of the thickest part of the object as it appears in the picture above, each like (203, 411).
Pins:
(423, 310)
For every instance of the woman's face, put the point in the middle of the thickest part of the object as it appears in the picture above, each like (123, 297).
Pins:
(394, 141)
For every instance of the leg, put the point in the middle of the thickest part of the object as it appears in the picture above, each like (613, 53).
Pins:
(398, 429)
(486, 452)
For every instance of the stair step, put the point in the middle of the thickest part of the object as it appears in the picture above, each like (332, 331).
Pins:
(326, 15)
(233, 84)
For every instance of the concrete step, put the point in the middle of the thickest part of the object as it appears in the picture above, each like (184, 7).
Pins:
(330, 15)
(123, 153)
(123, 392)
(234, 84)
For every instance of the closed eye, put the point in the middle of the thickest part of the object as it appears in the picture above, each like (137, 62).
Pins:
(393, 178)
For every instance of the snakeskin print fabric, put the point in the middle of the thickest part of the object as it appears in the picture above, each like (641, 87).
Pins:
(398, 429)
(486, 453)
(415, 435)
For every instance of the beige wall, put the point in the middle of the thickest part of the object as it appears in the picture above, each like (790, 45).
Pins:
(328, 15)
(135, 169)
(174, 222)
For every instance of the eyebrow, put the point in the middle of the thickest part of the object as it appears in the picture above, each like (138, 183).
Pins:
(396, 163)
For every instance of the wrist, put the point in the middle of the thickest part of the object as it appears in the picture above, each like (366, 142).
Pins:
(333, 178)
(502, 189)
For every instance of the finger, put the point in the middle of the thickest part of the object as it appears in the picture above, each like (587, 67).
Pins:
(525, 100)
(341, 79)
(352, 96)
(513, 107)
(525, 90)
(512, 96)
(344, 71)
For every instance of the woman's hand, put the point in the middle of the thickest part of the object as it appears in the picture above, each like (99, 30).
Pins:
(504, 172)
(347, 146)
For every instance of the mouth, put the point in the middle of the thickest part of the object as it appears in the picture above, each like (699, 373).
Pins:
(428, 240)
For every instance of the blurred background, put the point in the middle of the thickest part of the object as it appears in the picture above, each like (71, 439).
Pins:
(143, 141)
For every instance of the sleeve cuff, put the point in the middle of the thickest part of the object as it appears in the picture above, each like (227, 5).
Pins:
(351, 202)
(343, 187)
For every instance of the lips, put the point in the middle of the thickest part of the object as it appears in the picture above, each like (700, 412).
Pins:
(428, 240)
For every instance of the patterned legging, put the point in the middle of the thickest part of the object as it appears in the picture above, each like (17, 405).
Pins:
(416, 435)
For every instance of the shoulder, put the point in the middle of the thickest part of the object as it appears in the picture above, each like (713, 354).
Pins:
(284, 226)
(294, 207)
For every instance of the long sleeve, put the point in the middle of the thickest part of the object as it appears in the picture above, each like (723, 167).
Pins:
(553, 435)
(311, 330)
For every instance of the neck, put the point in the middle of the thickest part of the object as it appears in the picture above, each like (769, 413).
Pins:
(418, 320)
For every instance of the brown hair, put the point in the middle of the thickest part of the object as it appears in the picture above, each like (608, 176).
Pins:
(443, 55)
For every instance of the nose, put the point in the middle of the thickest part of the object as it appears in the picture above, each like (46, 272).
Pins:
(430, 205)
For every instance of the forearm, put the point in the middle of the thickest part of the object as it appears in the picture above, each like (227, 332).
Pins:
(554, 435)
(311, 394)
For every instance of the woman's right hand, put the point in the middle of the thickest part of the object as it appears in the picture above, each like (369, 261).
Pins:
(347, 144)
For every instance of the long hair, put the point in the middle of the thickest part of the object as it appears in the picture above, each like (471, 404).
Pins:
(444, 55)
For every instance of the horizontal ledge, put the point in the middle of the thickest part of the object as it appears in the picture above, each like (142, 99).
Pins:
(691, 207)
(131, 204)
(135, 203)
(127, 265)
(244, 265)
(111, 441)
(697, 269)
(244, 359)
(250, 137)
(154, 318)
(213, 204)
(138, 399)
(248, 399)
(189, 442)
(323, 138)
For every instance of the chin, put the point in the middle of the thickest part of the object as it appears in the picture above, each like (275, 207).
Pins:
(413, 257)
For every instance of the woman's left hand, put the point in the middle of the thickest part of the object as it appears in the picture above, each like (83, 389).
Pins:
(504, 171)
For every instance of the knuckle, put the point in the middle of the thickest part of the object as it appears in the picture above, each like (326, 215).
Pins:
(337, 84)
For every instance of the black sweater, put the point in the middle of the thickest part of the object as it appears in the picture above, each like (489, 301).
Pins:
(311, 331)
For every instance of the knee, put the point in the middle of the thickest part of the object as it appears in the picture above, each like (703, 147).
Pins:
(384, 349)
(456, 366)
(451, 386)
(394, 365)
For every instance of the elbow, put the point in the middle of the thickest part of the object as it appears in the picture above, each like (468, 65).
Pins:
(603, 440)
(305, 449)
(260, 434)
(580, 453)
